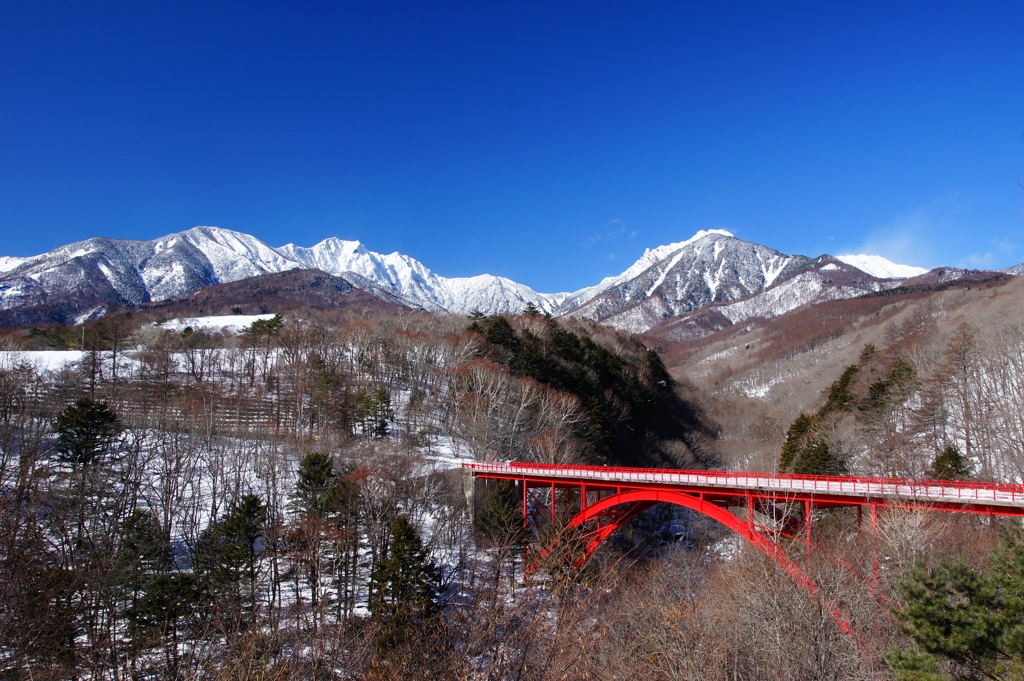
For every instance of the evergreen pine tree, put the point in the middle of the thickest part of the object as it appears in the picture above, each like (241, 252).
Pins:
(950, 464)
(970, 620)
(403, 585)
(794, 440)
(85, 431)
(229, 553)
(316, 489)
(500, 520)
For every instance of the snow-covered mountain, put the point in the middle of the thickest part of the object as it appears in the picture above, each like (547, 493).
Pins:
(879, 267)
(412, 281)
(713, 267)
(85, 278)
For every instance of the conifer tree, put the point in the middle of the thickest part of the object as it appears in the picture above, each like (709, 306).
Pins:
(501, 518)
(950, 464)
(404, 584)
(143, 554)
(85, 431)
(229, 554)
(970, 621)
(316, 489)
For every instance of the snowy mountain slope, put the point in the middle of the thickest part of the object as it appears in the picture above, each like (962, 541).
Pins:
(88, 277)
(879, 267)
(714, 267)
(95, 274)
(824, 279)
(651, 257)
(411, 280)
(8, 263)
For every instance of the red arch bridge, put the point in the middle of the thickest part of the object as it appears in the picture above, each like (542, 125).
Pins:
(600, 499)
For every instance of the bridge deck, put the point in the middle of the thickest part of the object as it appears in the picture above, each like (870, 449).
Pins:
(848, 489)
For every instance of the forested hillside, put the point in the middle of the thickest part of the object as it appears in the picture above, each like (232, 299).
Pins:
(167, 491)
(287, 502)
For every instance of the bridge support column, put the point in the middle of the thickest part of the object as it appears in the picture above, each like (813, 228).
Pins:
(807, 524)
(750, 511)
(552, 503)
(874, 549)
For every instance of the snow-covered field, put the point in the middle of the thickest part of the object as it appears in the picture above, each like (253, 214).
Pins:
(234, 322)
(42, 360)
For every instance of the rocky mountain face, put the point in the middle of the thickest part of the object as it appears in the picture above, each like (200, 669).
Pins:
(86, 278)
(713, 270)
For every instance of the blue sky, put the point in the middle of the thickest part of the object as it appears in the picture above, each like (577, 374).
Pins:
(547, 142)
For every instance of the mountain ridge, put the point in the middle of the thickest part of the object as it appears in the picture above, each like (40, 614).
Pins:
(87, 278)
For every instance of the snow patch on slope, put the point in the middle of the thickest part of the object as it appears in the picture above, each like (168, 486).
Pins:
(877, 266)
(8, 263)
(235, 322)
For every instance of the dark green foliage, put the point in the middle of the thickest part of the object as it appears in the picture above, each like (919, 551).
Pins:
(817, 458)
(659, 374)
(950, 464)
(497, 330)
(806, 450)
(171, 600)
(840, 398)
(972, 620)
(866, 354)
(531, 309)
(318, 489)
(370, 412)
(915, 665)
(629, 396)
(142, 546)
(893, 388)
(404, 585)
(85, 431)
(155, 597)
(229, 552)
(267, 327)
(794, 443)
(500, 520)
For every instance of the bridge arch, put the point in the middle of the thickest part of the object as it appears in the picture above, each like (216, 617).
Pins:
(639, 500)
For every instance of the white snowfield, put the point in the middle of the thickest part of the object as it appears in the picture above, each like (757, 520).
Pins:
(232, 323)
(877, 266)
(8, 263)
(41, 360)
(925, 490)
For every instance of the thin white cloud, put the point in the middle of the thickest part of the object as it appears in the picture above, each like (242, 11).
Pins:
(614, 230)
(1002, 250)
(906, 240)
(934, 235)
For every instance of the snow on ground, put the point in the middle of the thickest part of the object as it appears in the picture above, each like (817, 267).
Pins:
(8, 263)
(42, 360)
(877, 266)
(233, 322)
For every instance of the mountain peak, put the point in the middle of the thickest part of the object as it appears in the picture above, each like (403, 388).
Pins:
(880, 267)
(668, 249)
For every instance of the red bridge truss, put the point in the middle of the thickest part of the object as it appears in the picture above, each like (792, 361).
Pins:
(600, 499)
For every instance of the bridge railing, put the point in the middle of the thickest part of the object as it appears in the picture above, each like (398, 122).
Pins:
(965, 491)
